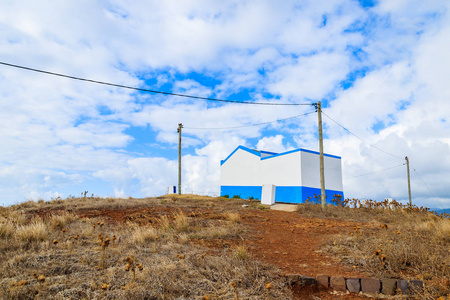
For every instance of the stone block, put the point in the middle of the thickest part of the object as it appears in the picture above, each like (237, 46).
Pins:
(323, 281)
(415, 287)
(370, 285)
(402, 287)
(354, 285)
(292, 279)
(305, 280)
(337, 283)
(388, 286)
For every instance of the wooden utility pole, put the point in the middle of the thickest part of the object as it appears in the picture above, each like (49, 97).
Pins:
(179, 157)
(322, 170)
(409, 181)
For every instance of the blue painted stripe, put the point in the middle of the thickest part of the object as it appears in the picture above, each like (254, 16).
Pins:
(267, 152)
(288, 194)
(310, 192)
(244, 192)
(258, 153)
(301, 150)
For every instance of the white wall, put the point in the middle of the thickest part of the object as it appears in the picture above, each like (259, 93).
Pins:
(247, 169)
(311, 171)
(283, 170)
(242, 168)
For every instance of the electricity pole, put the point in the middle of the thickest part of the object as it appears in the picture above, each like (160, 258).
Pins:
(409, 181)
(322, 171)
(179, 157)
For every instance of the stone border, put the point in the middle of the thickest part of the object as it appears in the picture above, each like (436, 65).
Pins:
(356, 285)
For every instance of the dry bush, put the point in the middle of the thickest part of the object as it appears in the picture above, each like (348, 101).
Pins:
(18, 217)
(241, 253)
(61, 220)
(439, 228)
(142, 235)
(181, 222)
(164, 223)
(36, 231)
(233, 217)
(6, 229)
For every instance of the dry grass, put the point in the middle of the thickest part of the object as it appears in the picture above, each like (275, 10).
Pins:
(142, 235)
(233, 217)
(181, 223)
(36, 231)
(88, 262)
(165, 225)
(6, 229)
(397, 243)
(62, 220)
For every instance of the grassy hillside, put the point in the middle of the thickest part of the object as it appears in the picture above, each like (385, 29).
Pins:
(49, 250)
(156, 248)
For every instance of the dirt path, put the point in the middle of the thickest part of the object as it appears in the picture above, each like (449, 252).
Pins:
(293, 242)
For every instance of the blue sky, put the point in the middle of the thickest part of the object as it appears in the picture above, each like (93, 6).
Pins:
(380, 68)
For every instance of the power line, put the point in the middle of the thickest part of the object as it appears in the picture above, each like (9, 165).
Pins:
(249, 125)
(361, 138)
(148, 90)
(374, 172)
(424, 183)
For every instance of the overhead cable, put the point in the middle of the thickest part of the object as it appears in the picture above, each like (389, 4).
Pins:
(249, 125)
(375, 172)
(425, 183)
(150, 91)
(379, 149)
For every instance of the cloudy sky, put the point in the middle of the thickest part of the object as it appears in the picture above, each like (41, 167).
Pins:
(381, 69)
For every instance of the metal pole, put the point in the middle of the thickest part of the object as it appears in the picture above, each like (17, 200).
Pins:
(409, 181)
(179, 157)
(322, 172)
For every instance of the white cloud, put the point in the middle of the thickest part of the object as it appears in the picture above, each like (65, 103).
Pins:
(57, 133)
(273, 144)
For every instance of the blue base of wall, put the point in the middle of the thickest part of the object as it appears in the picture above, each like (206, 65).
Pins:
(288, 194)
(244, 192)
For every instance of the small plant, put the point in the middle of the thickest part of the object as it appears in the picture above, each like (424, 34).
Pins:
(235, 291)
(41, 279)
(155, 244)
(268, 288)
(226, 196)
(132, 265)
(105, 245)
(241, 253)
(237, 197)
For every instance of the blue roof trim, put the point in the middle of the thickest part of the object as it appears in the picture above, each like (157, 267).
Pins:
(254, 152)
(258, 153)
(301, 150)
(267, 152)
